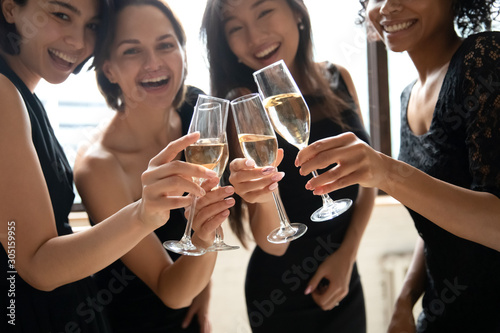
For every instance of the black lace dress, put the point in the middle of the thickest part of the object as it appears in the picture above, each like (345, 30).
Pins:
(274, 286)
(132, 306)
(69, 307)
(462, 147)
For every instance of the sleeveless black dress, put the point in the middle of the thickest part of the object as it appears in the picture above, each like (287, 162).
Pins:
(274, 285)
(462, 147)
(134, 307)
(69, 307)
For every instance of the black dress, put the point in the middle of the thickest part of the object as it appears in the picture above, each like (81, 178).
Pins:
(67, 308)
(274, 285)
(462, 147)
(134, 307)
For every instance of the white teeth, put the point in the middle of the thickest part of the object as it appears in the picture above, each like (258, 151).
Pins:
(156, 79)
(265, 52)
(64, 56)
(398, 27)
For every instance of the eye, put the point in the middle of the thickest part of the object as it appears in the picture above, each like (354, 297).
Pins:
(265, 12)
(234, 29)
(61, 16)
(131, 51)
(93, 26)
(165, 46)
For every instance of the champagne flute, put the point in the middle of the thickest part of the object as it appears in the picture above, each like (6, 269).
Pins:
(258, 142)
(291, 119)
(219, 244)
(207, 151)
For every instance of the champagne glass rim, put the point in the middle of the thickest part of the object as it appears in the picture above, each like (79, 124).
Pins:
(245, 98)
(280, 62)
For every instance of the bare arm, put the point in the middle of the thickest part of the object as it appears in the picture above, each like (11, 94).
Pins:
(105, 190)
(44, 259)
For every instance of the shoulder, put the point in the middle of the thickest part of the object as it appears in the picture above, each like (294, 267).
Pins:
(14, 119)
(95, 164)
(480, 51)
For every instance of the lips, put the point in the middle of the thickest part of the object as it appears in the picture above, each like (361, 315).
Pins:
(397, 27)
(61, 59)
(155, 82)
(267, 52)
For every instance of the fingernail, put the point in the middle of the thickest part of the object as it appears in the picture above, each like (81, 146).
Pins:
(318, 191)
(273, 186)
(229, 189)
(308, 186)
(250, 163)
(229, 201)
(225, 213)
(308, 290)
(296, 162)
(202, 192)
(278, 176)
(268, 170)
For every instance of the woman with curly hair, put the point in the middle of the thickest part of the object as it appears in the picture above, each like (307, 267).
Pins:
(448, 173)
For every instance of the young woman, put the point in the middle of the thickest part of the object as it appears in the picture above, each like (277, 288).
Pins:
(448, 172)
(312, 283)
(48, 289)
(141, 71)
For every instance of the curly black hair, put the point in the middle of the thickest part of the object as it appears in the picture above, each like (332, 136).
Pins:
(471, 16)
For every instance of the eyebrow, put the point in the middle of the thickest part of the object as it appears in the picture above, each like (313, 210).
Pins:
(67, 6)
(136, 41)
(256, 4)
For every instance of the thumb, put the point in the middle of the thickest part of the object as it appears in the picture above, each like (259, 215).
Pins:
(313, 283)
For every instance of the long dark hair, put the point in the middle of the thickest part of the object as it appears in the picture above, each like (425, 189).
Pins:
(471, 16)
(226, 73)
(112, 91)
(11, 41)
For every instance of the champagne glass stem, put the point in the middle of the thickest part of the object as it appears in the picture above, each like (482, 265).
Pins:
(284, 223)
(327, 201)
(189, 225)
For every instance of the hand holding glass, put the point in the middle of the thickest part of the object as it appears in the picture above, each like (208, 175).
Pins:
(207, 151)
(291, 119)
(219, 244)
(258, 142)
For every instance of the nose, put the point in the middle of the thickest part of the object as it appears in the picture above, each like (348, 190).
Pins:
(76, 37)
(390, 6)
(151, 61)
(254, 34)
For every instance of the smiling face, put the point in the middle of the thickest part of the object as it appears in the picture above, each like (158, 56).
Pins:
(146, 59)
(407, 25)
(261, 32)
(55, 37)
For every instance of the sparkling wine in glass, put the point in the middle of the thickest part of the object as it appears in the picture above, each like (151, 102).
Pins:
(207, 151)
(291, 120)
(258, 142)
(219, 244)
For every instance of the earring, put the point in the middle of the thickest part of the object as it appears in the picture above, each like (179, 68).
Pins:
(301, 25)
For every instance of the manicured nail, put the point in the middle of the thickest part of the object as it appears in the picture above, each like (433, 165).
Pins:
(318, 191)
(297, 162)
(273, 186)
(202, 192)
(250, 163)
(308, 290)
(229, 189)
(225, 213)
(229, 201)
(308, 186)
(277, 177)
(268, 170)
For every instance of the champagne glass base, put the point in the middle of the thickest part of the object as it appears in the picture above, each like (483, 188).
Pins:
(222, 247)
(186, 248)
(285, 235)
(332, 210)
